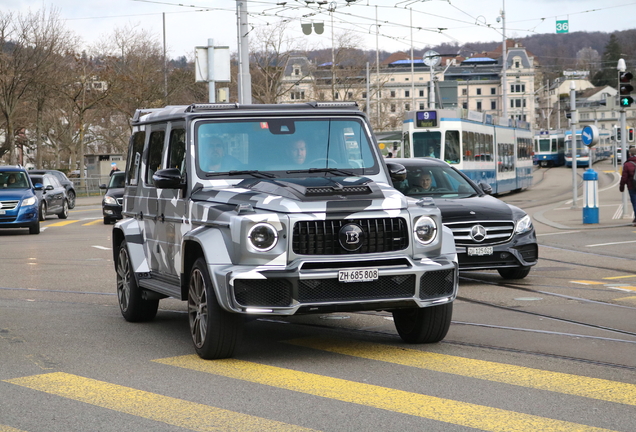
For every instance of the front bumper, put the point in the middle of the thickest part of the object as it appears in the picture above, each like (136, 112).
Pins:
(313, 287)
(22, 217)
(522, 251)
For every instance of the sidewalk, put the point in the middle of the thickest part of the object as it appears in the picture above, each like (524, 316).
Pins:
(89, 201)
(564, 216)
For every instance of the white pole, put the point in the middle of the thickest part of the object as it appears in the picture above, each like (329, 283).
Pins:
(211, 88)
(412, 66)
(504, 56)
(573, 141)
(244, 77)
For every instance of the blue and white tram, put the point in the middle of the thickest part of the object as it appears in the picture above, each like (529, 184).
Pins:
(599, 152)
(485, 150)
(549, 148)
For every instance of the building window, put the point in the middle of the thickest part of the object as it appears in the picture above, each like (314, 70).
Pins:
(296, 71)
(421, 93)
(392, 79)
(478, 91)
(407, 93)
(392, 93)
(493, 105)
(465, 105)
(407, 107)
(350, 95)
(464, 92)
(517, 88)
(478, 105)
(406, 79)
(421, 106)
(493, 90)
(297, 95)
(392, 107)
(364, 95)
(336, 95)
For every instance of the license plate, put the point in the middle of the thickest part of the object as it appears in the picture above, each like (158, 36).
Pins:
(480, 251)
(358, 275)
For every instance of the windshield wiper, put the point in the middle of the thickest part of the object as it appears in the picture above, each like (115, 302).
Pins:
(322, 170)
(254, 173)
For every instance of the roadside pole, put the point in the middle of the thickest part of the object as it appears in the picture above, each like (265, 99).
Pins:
(573, 143)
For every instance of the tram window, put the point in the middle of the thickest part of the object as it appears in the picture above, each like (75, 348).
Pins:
(489, 150)
(451, 147)
(426, 144)
(469, 147)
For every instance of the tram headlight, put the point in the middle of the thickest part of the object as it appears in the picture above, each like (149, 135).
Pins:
(524, 224)
(425, 230)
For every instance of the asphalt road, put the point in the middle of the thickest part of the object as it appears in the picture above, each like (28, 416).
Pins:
(555, 351)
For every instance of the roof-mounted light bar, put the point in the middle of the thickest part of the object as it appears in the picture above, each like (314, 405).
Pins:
(334, 104)
(211, 106)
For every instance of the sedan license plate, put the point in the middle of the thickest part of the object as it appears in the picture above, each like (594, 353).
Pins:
(358, 275)
(480, 251)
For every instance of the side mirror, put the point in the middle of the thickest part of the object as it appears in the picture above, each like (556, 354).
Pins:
(103, 186)
(169, 178)
(396, 171)
(486, 188)
(49, 187)
(38, 186)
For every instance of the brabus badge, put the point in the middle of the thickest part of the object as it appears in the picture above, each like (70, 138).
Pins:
(351, 237)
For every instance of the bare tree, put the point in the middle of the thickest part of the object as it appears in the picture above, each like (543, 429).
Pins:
(29, 44)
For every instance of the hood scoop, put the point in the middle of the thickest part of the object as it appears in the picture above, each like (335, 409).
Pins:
(315, 188)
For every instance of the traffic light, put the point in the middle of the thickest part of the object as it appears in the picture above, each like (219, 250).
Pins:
(625, 89)
(630, 134)
(618, 134)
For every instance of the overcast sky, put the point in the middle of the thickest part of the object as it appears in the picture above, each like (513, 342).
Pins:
(433, 21)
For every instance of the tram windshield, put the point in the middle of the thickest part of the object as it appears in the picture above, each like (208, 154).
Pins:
(429, 144)
(544, 145)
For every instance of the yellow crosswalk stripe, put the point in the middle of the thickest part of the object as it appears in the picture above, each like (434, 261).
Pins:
(4, 428)
(593, 388)
(172, 411)
(430, 407)
(63, 223)
(94, 222)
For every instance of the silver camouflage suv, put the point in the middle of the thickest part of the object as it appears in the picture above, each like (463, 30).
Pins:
(274, 210)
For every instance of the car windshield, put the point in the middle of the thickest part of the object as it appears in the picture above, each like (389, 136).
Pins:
(435, 181)
(285, 146)
(116, 181)
(13, 180)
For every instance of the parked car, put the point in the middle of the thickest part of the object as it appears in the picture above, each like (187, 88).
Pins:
(489, 234)
(64, 181)
(51, 195)
(113, 198)
(18, 201)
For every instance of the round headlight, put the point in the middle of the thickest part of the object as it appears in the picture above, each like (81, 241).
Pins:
(425, 230)
(263, 236)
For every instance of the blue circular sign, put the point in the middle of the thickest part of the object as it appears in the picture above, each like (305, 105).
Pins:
(589, 135)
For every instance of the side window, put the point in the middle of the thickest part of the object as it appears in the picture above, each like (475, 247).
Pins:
(451, 147)
(177, 150)
(134, 157)
(155, 150)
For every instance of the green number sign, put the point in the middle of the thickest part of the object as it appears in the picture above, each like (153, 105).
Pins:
(562, 26)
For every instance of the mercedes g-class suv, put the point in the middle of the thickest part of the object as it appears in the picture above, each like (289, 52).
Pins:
(274, 210)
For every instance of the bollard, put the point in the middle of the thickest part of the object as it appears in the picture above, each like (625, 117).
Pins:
(590, 209)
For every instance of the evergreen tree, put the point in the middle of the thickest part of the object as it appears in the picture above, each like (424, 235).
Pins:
(607, 74)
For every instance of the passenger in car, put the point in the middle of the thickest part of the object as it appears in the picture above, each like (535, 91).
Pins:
(298, 152)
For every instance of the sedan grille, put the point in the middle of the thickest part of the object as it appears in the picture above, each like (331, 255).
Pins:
(8, 205)
(470, 233)
(321, 237)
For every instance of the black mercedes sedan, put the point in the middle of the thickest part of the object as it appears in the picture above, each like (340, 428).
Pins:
(489, 234)
(112, 201)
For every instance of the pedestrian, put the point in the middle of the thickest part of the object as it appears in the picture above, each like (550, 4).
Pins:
(113, 168)
(627, 179)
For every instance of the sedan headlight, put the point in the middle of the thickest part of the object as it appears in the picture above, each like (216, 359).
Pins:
(29, 201)
(110, 200)
(263, 236)
(425, 230)
(524, 224)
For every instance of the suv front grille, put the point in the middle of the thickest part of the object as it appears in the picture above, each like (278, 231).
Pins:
(8, 205)
(320, 237)
(496, 232)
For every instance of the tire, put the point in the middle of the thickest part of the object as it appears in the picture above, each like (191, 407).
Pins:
(423, 325)
(215, 332)
(64, 213)
(71, 199)
(42, 211)
(514, 273)
(35, 228)
(131, 304)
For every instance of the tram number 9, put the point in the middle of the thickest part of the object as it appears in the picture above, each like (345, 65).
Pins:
(426, 119)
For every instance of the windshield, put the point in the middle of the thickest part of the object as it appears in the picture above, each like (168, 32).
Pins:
(285, 146)
(435, 181)
(116, 180)
(14, 180)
